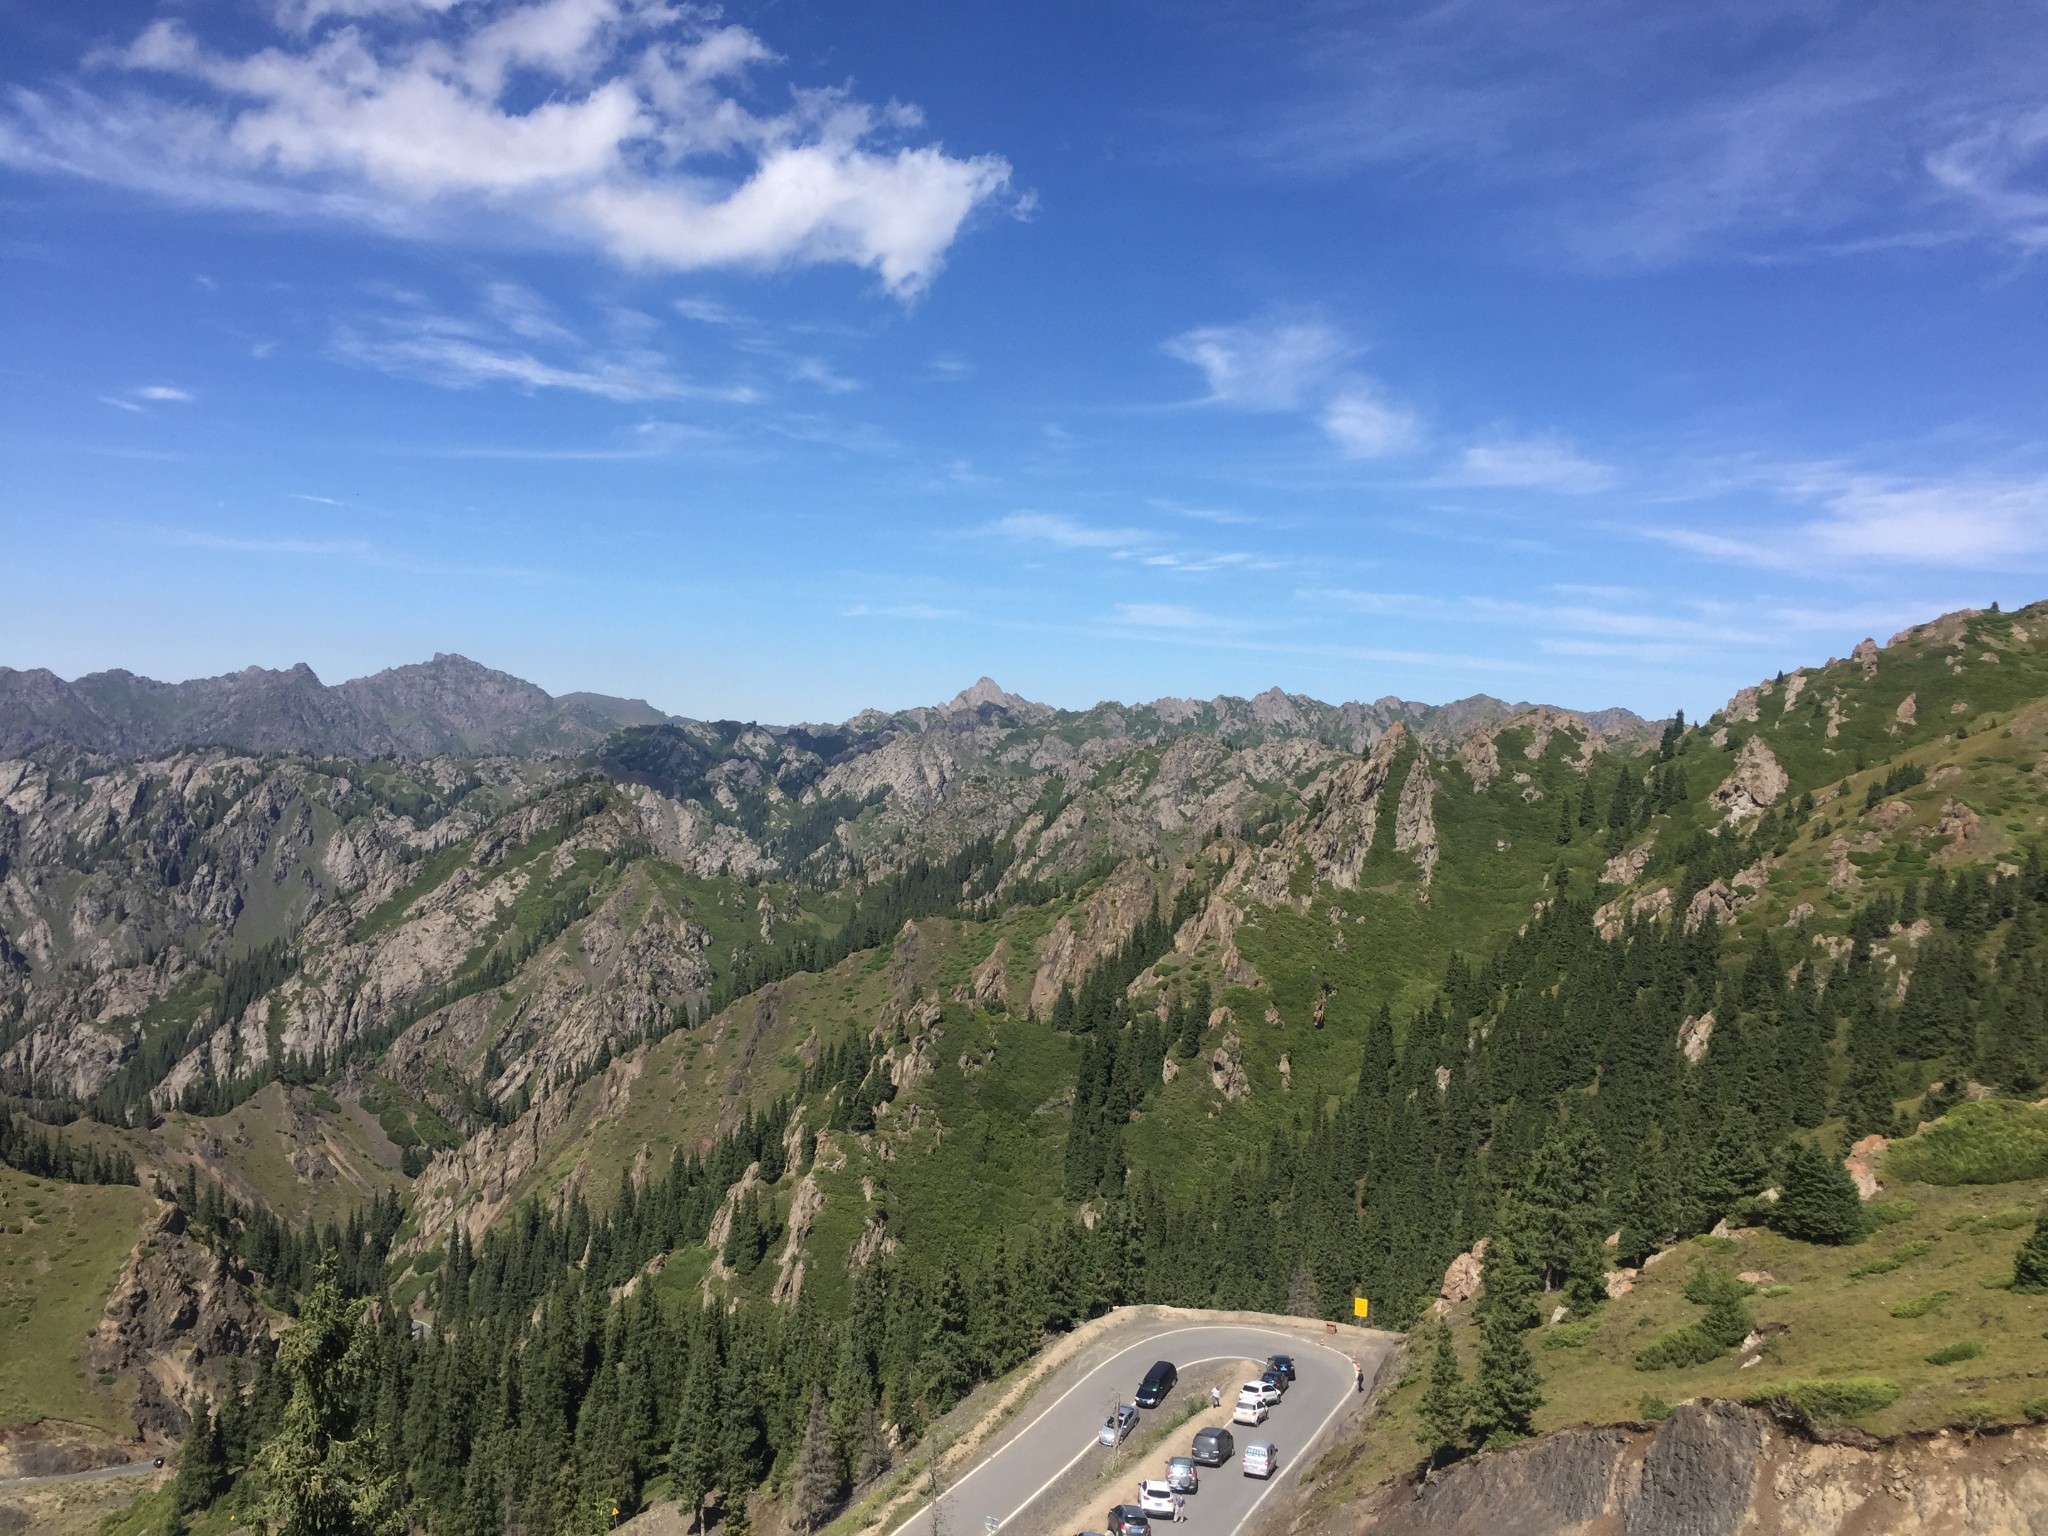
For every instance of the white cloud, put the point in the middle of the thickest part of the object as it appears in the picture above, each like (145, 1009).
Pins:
(514, 339)
(1263, 367)
(636, 141)
(1166, 616)
(1534, 463)
(1649, 135)
(1834, 518)
(925, 612)
(1063, 532)
(1365, 426)
(163, 392)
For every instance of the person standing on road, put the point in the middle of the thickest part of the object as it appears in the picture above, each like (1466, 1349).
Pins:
(1180, 1502)
(1215, 1397)
(1358, 1369)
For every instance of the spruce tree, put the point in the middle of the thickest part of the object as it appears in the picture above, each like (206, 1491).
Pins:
(1817, 1202)
(203, 1469)
(819, 1475)
(2030, 1264)
(1442, 1410)
(1507, 1391)
(1648, 1209)
(326, 1469)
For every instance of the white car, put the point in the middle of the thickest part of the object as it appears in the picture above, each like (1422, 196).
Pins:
(1249, 1411)
(1261, 1391)
(1261, 1459)
(1156, 1498)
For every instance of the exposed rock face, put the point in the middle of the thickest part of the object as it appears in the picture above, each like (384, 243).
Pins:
(991, 983)
(1465, 1277)
(1693, 1036)
(1756, 784)
(1862, 1164)
(1626, 867)
(177, 1313)
(1226, 1069)
(1865, 656)
(1482, 762)
(1908, 711)
(1414, 826)
(1716, 1469)
(1124, 900)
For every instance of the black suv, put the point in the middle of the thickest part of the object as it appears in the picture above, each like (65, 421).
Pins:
(1284, 1364)
(1157, 1383)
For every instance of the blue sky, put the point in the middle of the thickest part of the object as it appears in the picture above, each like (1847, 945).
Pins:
(783, 359)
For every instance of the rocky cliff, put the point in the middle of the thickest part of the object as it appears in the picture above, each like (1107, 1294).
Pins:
(1718, 1469)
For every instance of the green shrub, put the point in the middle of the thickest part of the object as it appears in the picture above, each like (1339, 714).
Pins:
(1718, 1244)
(1997, 1221)
(1690, 1345)
(1920, 1306)
(1655, 1410)
(1955, 1354)
(1848, 1397)
(2036, 1411)
(1572, 1335)
(1886, 1213)
(1991, 1141)
(1908, 1252)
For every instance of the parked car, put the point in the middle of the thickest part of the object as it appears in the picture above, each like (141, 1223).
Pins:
(1157, 1383)
(1181, 1475)
(1213, 1447)
(1118, 1424)
(1264, 1391)
(1261, 1459)
(1249, 1410)
(1276, 1381)
(1155, 1497)
(1128, 1520)
(1284, 1364)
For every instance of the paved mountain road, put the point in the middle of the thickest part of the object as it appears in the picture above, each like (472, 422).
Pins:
(1043, 1466)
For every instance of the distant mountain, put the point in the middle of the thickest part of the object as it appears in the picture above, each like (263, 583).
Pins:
(447, 705)
(452, 705)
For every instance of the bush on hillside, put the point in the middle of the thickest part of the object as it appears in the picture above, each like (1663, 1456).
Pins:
(1993, 1141)
(1849, 1397)
(1955, 1354)
(2030, 1264)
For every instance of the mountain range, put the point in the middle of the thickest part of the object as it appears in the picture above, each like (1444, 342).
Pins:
(452, 706)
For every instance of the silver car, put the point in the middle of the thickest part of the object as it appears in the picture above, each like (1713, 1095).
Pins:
(1118, 1424)
(1261, 1459)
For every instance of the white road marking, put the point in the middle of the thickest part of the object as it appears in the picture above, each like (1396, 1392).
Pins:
(1272, 1481)
(1140, 1346)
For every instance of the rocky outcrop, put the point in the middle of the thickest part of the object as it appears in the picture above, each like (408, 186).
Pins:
(1865, 656)
(177, 1314)
(1717, 1469)
(1106, 920)
(1862, 1163)
(1226, 1069)
(1908, 711)
(1756, 784)
(1414, 825)
(1694, 1035)
(1464, 1278)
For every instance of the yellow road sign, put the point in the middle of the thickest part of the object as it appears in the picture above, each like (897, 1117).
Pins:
(1359, 1305)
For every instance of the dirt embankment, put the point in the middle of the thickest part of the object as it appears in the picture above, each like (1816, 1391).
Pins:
(1718, 1469)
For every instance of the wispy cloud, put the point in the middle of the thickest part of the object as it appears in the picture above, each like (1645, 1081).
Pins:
(1059, 531)
(1532, 463)
(924, 612)
(1170, 616)
(1830, 518)
(141, 398)
(515, 338)
(353, 550)
(1617, 134)
(619, 125)
(1299, 365)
